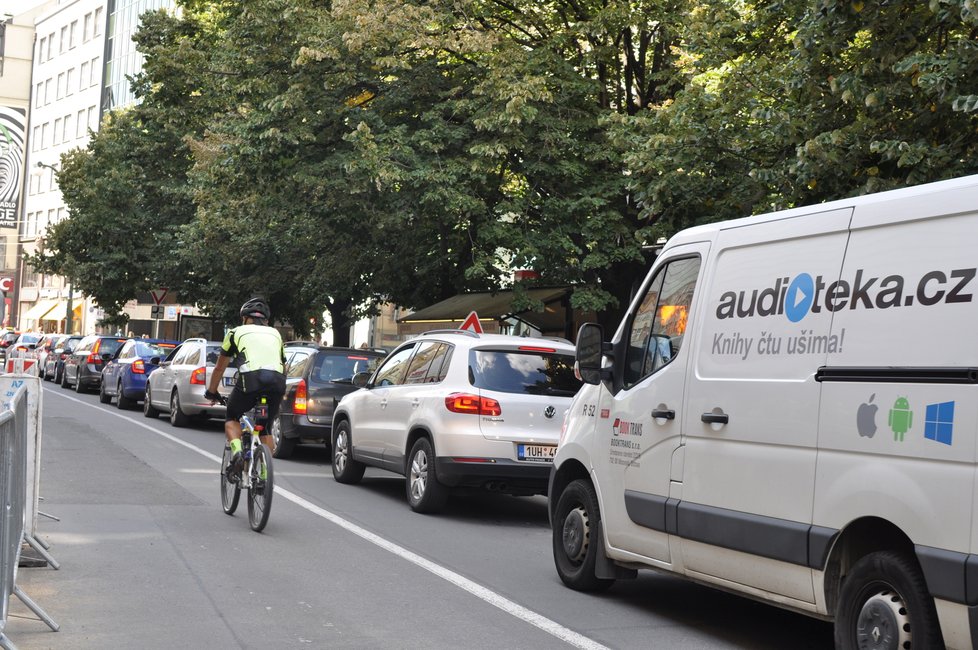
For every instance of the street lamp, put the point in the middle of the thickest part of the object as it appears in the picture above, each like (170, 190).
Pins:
(69, 316)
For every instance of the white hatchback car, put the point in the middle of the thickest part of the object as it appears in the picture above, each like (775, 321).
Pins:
(452, 408)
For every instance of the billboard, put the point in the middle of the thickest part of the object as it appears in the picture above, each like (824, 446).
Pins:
(13, 128)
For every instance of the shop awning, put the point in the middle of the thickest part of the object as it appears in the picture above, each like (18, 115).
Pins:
(60, 311)
(498, 305)
(40, 309)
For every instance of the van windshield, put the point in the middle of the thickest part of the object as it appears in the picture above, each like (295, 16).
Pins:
(534, 373)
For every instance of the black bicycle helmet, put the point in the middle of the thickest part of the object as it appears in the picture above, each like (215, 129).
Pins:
(256, 308)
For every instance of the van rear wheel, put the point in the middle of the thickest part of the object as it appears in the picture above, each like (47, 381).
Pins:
(575, 543)
(884, 605)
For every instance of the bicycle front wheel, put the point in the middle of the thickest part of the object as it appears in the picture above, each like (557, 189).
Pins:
(230, 490)
(261, 486)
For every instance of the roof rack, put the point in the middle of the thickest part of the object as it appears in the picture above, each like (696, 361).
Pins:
(447, 331)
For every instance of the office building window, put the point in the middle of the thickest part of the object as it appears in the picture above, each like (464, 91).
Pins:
(87, 29)
(61, 85)
(38, 89)
(66, 133)
(93, 72)
(98, 22)
(92, 118)
(83, 76)
(44, 136)
(73, 34)
(80, 124)
(41, 49)
(36, 139)
(50, 46)
(70, 81)
(63, 43)
(56, 134)
(47, 92)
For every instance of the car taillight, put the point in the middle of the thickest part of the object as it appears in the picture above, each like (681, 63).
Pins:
(199, 376)
(472, 404)
(138, 367)
(301, 397)
(533, 348)
(94, 358)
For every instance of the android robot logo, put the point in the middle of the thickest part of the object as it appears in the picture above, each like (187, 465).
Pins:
(901, 418)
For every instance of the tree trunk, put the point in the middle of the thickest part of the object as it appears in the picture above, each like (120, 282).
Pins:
(341, 323)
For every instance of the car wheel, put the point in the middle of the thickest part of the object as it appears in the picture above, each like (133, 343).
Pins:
(121, 401)
(149, 410)
(103, 397)
(424, 492)
(177, 417)
(64, 379)
(283, 446)
(884, 600)
(574, 537)
(345, 469)
(78, 383)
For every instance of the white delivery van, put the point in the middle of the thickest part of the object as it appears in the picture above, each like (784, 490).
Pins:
(789, 411)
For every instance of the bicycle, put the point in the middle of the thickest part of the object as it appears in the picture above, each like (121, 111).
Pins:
(256, 474)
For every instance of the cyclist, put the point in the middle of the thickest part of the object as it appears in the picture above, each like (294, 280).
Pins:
(260, 355)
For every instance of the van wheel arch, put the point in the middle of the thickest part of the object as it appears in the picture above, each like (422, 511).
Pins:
(860, 538)
(568, 472)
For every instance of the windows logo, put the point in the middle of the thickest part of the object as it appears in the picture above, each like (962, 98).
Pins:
(939, 422)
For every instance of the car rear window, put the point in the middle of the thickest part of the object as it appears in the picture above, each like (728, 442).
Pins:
(524, 371)
(109, 346)
(154, 349)
(341, 367)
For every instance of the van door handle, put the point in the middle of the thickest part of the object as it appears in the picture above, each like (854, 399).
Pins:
(667, 414)
(715, 418)
(415, 402)
(383, 403)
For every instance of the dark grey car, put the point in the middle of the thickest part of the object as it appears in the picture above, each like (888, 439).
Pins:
(316, 378)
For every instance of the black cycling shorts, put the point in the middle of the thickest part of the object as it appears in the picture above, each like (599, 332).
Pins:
(269, 383)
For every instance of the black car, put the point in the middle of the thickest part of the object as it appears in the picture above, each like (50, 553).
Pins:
(316, 378)
(83, 367)
(54, 365)
(6, 340)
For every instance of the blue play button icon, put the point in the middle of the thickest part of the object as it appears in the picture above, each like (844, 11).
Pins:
(799, 298)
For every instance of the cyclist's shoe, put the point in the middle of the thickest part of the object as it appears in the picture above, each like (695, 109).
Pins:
(233, 470)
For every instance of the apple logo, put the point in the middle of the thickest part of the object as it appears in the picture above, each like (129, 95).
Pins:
(866, 418)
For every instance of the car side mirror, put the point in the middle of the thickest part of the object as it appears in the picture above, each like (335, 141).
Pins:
(361, 379)
(106, 357)
(591, 350)
(155, 361)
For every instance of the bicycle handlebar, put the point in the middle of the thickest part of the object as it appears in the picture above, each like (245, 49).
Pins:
(216, 397)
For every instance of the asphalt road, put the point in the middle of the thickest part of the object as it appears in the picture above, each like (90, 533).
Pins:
(149, 560)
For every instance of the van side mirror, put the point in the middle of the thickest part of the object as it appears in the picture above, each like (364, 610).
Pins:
(361, 379)
(591, 349)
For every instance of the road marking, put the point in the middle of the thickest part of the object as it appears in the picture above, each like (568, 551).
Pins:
(496, 600)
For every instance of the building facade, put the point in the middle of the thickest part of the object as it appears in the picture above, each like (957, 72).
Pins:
(69, 46)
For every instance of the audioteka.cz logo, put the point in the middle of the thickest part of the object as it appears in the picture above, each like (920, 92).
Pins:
(804, 294)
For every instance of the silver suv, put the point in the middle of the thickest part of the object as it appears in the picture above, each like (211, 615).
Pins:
(177, 386)
(456, 409)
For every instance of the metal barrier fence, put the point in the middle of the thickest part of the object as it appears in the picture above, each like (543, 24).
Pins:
(17, 485)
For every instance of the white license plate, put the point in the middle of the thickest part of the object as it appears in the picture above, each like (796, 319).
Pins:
(536, 453)
(229, 381)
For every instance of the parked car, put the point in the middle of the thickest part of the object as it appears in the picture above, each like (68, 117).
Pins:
(23, 348)
(43, 350)
(6, 340)
(124, 377)
(54, 364)
(316, 378)
(83, 367)
(453, 408)
(177, 386)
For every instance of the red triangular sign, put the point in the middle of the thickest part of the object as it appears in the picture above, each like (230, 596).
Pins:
(158, 295)
(472, 323)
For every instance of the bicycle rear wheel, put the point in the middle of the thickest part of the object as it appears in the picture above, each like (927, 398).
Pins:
(262, 484)
(230, 490)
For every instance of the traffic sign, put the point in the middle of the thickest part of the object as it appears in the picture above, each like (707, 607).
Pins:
(157, 311)
(158, 294)
(472, 323)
